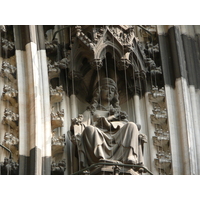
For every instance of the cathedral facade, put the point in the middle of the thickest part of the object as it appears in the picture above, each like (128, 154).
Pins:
(53, 79)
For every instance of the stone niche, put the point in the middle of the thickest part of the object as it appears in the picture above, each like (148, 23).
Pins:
(78, 57)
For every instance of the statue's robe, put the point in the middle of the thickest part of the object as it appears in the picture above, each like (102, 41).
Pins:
(122, 143)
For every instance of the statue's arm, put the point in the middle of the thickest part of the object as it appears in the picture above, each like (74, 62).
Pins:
(112, 118)
(106, 123)
(143, 137)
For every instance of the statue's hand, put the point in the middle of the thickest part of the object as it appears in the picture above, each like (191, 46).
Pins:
(96, 117)
(104, 123)
(143, 137)
(112, 118)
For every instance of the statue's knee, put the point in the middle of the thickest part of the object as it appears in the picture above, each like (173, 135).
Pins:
(132, 129)
(88, 130)
(134, 125)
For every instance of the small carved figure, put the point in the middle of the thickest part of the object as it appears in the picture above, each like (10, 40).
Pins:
(57, 119)
(53, 71)
(62, 64)
(10, 139)
(56, 94)
(8, 68)
(7, 46)
(163, 162)
(58, 169)
(10, 118)
(57, 140)
(104, 132)
(9, 167)
(123, 64)
(120, 35)
(96, 64)
(9, 71)
(151, 50)
(51, 47)
(10, 94)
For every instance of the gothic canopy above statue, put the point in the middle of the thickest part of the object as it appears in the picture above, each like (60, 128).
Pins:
(112, 51)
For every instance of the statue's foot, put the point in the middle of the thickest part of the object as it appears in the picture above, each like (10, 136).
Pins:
(133, 162)
(140, 163)
(109, 161)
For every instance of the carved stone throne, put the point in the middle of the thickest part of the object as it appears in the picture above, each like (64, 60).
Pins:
(103, 167)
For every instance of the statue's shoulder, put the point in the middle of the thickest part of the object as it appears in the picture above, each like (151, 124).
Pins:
(87, 115)
(87, 112)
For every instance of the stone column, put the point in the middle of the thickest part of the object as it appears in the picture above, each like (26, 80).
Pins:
(137, 109)
(191, 50)
(21, 34)
(151, 129)
(178, 99)
(46, 112)
(34, 106)
(23, 124)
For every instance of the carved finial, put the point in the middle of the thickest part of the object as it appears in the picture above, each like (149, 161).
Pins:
(85, 40)
(78, 30)
(123, 35)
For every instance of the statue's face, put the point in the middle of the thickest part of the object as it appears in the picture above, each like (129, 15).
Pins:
(107, 92)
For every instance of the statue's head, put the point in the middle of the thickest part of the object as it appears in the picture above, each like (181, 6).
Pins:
(105, 85)
(107, 82)
(106, 88)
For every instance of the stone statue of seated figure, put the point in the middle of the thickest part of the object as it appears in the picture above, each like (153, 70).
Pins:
(103, 133)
